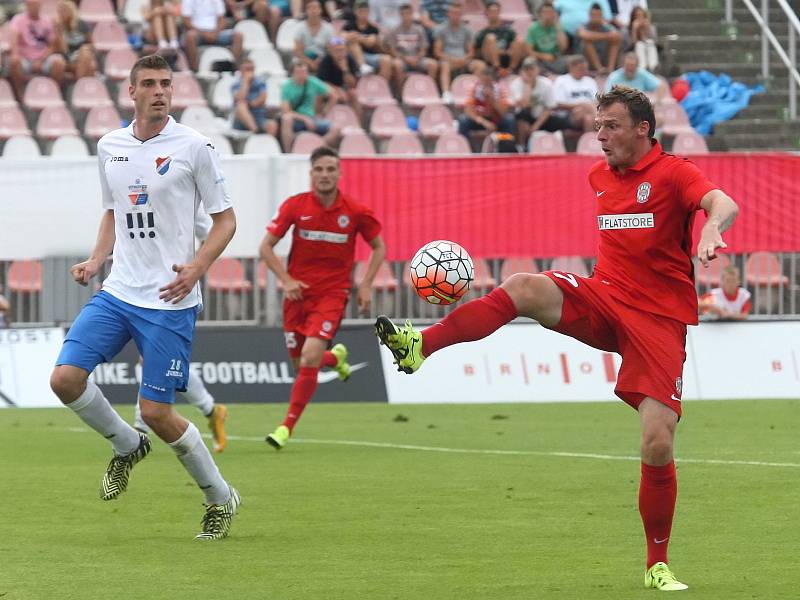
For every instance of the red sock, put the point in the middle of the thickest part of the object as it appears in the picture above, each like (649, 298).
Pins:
(657, 492)
(328, 359)
(473, 321)
(304, 387)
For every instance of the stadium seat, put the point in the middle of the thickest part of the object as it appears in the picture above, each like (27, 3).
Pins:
(119, 62)
(264, 273)
(202, 119)
(461, 87)
(221, 144)
(512, 9)
(89, 92)
(388, 120)
(262, 143)
(420, 90)
(588, 145)
(227, 275)
(24, 276)
(306, 142)
(475, 22)
(405, 144)
(373, 91)
(109, 35)
(274, 86)
(474, 7)
(452, 143)
(101, 120)
(689, 143)
(221, 96)
(384, 278)
(21, 146)
(69, 146)
(96, 11)
(764, 269)
(12, 122)
(435, 120)
(544, 142)
(343, 118)
(42, 92)
(484, 280)
(133, 11)
(518, 264)
(570, 264)
(186, 91)
(672, 119)
(253, 34)
(267, 61)
(285, 38)
(55, 121)
(520, 25)
(124, 102)
(6, 94)
(208, 56)
(710, 276)
(356, 144)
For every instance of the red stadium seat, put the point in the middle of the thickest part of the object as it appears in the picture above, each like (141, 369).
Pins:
(227, 275)
(101, 120)
(588, 145)
(709, 277)
(306, 142)
(24, 276)
(89, 92)
(405, 144)
(672, 119)
(12, 122)
(521, 24)
(388, 120)
(109, 35)
(452, 143)
(570, 264)
(96, 11)
(474, 7)
(420, 90)
(42, 92)
(518, 264)
(356, 144)
(6, 94)
(118, 63)
(461, 87)
(544, 142)
(689, 143)
(384, 278)
(124, 101)
(512, 9)
(55, 121)
(764, 269)
(435, 120)
(186, 91)
(373, 90)
(344, 118)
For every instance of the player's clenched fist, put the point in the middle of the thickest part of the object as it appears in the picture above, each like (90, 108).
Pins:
(84, 271)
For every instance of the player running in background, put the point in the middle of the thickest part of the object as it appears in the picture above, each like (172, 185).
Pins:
(730, 301)
(316, 282)
(637, 303)
(154, 174)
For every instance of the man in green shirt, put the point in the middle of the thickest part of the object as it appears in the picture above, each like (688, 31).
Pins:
(547, 40)
(299, 106)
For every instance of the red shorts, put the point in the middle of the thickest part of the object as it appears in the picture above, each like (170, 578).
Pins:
(313, 316)
(653, 347)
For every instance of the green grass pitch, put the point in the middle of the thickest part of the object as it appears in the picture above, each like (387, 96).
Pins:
(427, 502)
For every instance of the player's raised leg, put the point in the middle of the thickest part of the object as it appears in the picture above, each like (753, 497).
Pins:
(522, 294)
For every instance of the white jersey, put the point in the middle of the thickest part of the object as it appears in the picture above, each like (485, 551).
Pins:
(568, 90)
(156, 189)
(737, 305)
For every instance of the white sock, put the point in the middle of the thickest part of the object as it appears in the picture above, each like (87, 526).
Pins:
(197, 395)
(94, 410)
(138, 421)
(196, 458)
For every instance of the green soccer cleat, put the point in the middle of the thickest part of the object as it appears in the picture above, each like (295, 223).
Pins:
(659, 577)
(342, 367)
(217, 520)
(279, 438)
(115, 480)
(405, 344)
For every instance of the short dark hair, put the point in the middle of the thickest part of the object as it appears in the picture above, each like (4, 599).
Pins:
(151, 61)
(638, 104)
(595, 6)
(545, 4)
(323, 151)
(492, 3)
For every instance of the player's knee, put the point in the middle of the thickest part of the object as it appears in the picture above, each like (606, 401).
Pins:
(66, 384)
(154, 414)
(530, 293)
(657, 446)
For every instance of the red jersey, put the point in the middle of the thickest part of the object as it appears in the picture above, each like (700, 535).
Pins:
(324, 239)
(645, 218)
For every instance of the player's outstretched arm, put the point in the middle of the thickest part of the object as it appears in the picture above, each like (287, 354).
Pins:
(721, 211)
(365, 285)
(84, 271)
(291, 287)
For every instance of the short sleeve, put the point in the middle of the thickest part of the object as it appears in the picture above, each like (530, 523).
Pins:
(320, 86)
(186, 8)
(368, 225)
(258, 87)
(690, 183)
(202, 225)
(651, 82)
(438, 32)
(283, 219)
(548, 95)
(107, 197)
(209, 179)
(559, 93)
(515, 90)
(300, 34)
(468, 35)
(220, 6)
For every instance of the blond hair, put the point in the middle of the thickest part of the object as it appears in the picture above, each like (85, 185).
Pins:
(74, 15)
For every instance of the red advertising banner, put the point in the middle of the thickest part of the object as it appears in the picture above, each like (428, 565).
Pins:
(499, 206)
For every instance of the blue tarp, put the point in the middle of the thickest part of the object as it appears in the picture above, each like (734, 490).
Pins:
(714, 98)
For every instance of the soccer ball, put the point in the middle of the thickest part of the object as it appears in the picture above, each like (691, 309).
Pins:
(441, 272)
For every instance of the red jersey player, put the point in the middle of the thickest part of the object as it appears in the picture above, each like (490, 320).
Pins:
(638, 302)
(316, 282)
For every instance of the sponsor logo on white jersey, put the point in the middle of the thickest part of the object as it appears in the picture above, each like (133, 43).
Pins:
(629, 221)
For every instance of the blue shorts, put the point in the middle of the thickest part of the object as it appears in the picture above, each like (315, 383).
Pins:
(163, 337)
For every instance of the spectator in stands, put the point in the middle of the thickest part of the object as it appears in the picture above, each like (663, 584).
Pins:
(340, 71)
(239, 10)
(633, 76)
(385, 13)
(497, 43)
(730, 302)
(433, 13)
(621, 11)
(75, 40)
(533, 98)
(487, 106)
(298, 106)
(5, 310)
(312, 36)
(160, 24)
(250, 102)
(643, 39)
(408, 45)
(600, 41)
(575, 94)
(364, 42)
(453, 48)
(33, 50)
(547, 41)
(204, 22)
(279, 11)
(575, 13)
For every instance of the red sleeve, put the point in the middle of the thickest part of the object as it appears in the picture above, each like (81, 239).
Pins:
(283, 219)
(690, 183)
(746, 308)
(368, 226)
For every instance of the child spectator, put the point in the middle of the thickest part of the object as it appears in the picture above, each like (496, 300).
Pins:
(533, 98)
(34, 48)
(160, 24)
(642, 38)
(75, 40)
(730, 302)
(487, 106)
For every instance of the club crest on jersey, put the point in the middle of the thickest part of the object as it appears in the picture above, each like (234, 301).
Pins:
(679, 385)
(344, 221)
(327, 326)
(162, 165)
(643, 192)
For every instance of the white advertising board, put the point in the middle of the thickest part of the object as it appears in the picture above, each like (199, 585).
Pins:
(27, 357)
